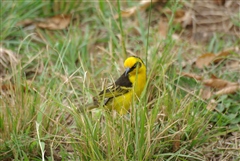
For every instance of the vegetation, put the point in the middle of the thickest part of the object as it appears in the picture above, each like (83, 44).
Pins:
(57, 55)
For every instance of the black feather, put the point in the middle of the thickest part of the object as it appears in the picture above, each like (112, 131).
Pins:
(123, 81)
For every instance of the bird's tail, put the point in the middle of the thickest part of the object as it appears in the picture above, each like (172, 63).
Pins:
(90, 106)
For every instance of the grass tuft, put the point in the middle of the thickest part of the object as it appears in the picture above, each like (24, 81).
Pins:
(59, 71)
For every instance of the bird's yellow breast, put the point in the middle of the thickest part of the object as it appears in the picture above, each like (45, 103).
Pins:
(122, 103)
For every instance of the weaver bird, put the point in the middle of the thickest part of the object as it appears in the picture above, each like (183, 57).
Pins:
(120, 95)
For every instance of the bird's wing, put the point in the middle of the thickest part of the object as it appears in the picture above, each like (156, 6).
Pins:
(122, 86)
(114, 91)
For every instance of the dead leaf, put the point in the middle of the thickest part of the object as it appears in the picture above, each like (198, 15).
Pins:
(187, 18)
(222, 55)
(214, 77)
(215, 83)
(228, 90)
(163, 29)
(219, 2)
(218, 83)
(57, 22)
(7, 87)
(144, 4)
(178, 14)
(26, 22)
(206, 93)
(176, 142)
(192, 75)
(141, 6)
(212, 105)
(205, 60)
(208, 58)
(127, 13)
(181, 16)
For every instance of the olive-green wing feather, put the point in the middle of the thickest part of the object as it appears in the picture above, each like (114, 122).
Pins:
(113, 91)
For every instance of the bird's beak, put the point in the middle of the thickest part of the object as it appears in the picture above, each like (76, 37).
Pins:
(127, 71)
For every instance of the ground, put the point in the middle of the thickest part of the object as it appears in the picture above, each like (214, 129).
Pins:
(55, 56)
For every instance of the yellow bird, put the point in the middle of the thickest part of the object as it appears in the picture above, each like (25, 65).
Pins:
(129, 86)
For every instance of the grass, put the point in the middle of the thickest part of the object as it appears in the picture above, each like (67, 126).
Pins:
(60, 71)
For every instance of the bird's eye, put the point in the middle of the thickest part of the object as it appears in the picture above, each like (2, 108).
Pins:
(137, 64)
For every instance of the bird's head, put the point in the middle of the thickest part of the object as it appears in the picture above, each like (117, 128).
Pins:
(134, 65)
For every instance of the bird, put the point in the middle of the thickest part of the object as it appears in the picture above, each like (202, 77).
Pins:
(120, 95)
